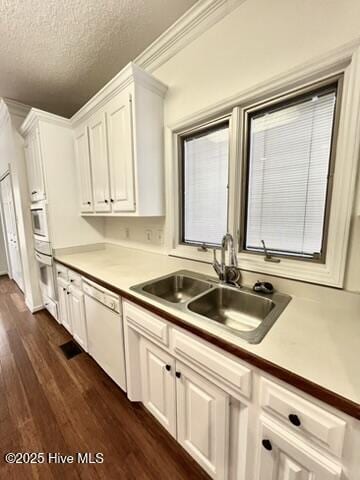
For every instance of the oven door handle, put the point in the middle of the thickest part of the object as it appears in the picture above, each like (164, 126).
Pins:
(44, 259)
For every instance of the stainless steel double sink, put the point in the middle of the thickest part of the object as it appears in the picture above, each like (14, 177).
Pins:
(245, 313)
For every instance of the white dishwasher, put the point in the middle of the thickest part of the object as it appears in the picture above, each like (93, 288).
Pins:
(105, 330)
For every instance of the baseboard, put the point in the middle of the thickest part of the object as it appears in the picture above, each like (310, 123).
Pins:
(33, 308)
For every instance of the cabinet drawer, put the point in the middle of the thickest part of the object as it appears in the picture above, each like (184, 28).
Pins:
(225, 369)
(147, 323)
(61, 271)
(303, 416)
(74, 278)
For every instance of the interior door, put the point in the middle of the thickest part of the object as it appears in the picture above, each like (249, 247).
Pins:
(84, 169)
(284, 457)
(10, 227)
(158, 384)
(120, 143)
(203, 421)
(99, 162)
(64, 310)
(77, 312)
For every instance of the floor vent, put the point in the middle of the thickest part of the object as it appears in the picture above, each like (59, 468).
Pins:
(70, 349)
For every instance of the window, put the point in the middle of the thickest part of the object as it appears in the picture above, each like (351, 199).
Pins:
(204, 189)
(288, 174)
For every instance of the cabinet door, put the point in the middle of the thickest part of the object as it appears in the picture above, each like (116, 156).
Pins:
(158, 384)
(28, 149)
(284, 457)
(99, 162)
(64, 311)
(34, 166)
(119, 134)
(77, 314)
(84, 170)
(203, 421)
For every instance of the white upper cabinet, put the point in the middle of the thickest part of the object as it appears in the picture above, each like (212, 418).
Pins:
(34, 166)
(84, 170)
(99, 162)
(124, 122)
(121, 160)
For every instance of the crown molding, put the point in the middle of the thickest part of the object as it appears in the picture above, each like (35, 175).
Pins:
(17, 109)
(129, 74)
(195, 21)
(189, 26)
(4, 112)
(36, 115)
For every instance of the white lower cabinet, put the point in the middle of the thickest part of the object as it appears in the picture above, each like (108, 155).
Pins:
(202, 420)
(77, 315)
(64, 313)
(285, 457)
(72, 310)
(190, 407)
(237, 422)
(158, 384)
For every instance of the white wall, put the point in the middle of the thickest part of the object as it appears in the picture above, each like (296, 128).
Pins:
(135, 232)
(12, 157)
(257, 41)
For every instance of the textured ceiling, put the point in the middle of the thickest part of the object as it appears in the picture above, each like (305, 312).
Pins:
(55, 54)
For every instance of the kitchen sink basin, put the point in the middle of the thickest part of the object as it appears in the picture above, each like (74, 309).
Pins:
(177, 288)
(241, 311)
(234, 308)
(245, 313)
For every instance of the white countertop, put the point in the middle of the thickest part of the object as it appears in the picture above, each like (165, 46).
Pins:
(318, 340)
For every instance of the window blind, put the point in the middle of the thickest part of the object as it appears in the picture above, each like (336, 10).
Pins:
(288, 171)
(205, 179)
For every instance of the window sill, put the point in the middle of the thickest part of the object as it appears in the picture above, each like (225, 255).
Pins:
(320, 273)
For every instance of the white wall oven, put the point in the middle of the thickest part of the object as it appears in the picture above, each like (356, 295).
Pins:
(43, 255)
(39, 221)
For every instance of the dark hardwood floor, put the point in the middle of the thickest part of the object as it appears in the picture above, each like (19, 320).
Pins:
(51, 404)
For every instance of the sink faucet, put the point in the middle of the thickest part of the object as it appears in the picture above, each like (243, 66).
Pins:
(229, 274)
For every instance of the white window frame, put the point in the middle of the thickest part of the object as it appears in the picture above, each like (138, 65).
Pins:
(345, 61)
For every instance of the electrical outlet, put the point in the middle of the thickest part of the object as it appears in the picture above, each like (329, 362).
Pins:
(160, 236)
(148, 235)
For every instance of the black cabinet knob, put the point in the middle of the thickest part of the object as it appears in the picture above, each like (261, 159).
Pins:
(68, 293)
(267, 444)
(178, 374)
(71, 280)
(168, 367)
(106, 201)
(33, 192)
(294, 419)
(89, 203)
(64, 289)
(111, 200)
